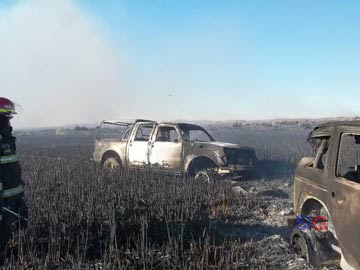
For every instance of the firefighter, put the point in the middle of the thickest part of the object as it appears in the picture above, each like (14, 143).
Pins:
(11, 184)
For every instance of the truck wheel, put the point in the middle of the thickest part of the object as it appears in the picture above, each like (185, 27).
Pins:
(112, 164)
(302, 242)
(203, 175)
(298, 242)
(314, 246)
(202, 169)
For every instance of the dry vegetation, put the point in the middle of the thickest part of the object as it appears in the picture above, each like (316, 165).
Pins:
(83, 218)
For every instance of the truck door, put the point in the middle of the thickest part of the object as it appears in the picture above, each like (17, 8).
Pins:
(166, 149)
(344, 195)
(138, 146)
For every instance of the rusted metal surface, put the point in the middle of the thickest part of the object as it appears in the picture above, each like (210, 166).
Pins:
(318, 184)
(177, 147)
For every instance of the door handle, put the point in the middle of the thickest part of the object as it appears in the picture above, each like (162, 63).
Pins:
(340, 199)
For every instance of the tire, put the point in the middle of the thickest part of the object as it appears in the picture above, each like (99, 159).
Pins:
(299, 243)
(203, 175)
(112, 164)
(303, 243)
(202, 169)
(315, 246)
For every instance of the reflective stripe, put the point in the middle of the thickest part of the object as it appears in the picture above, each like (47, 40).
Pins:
(12, 191)
(8, 159)
(7, 111)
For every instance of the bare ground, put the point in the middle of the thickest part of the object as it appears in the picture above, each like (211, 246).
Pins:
(83, 219)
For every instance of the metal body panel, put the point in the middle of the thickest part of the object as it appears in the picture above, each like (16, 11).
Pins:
(166, 155)
(193, 150)
(137, 153)
(344, 205)
(305, 190)
(104, 146)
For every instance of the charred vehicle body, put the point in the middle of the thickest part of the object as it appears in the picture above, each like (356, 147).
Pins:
(327, 192)
(171, 147)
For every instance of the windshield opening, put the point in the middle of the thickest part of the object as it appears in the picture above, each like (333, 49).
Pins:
(194, 133)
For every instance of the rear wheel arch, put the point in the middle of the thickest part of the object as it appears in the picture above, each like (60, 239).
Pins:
(316, 207)
(311, 204)
(111, 154)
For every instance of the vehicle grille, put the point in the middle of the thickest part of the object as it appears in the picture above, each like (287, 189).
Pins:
(242, 156)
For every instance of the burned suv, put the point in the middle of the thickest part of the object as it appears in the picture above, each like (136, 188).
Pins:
(172, 147)
(327, 196)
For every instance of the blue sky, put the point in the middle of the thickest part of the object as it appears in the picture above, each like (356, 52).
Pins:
(231, 59)
(254, 52)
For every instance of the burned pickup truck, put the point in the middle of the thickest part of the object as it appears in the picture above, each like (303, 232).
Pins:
(171, 147)
(327, 197)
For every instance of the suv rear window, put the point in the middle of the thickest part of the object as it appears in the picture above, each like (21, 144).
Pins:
(348, 165)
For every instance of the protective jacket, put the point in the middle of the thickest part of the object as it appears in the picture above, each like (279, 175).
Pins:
(11, 182)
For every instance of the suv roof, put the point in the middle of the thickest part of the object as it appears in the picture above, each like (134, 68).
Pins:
(355, 123)
(326, 129)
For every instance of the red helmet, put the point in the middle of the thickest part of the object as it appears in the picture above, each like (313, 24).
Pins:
(7, 107)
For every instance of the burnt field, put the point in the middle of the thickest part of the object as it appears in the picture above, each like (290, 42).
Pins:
(83, 218)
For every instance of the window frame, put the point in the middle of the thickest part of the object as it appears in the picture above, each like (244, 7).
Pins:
(318, 158)
(337, 174)
(166, 126)
(146, 125)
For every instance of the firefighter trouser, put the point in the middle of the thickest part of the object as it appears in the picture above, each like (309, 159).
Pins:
(16, 204)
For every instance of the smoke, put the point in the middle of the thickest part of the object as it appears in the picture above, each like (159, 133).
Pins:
(56, 61)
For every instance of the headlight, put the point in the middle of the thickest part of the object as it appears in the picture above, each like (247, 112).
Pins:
(223, 171)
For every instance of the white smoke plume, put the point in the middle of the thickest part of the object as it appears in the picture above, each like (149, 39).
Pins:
(58, 64)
